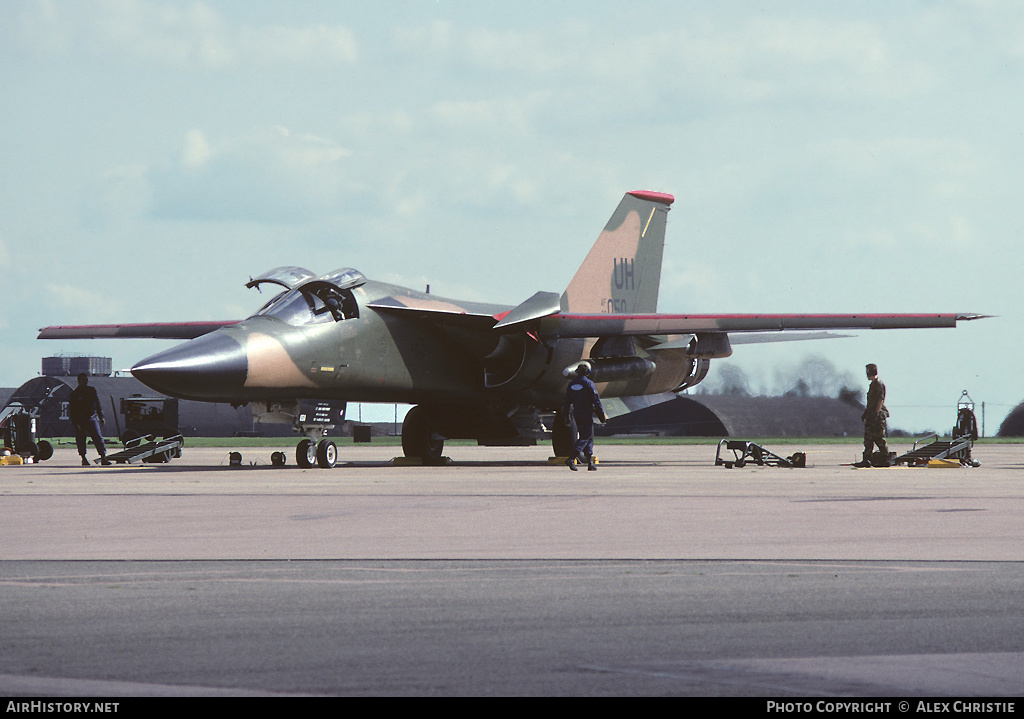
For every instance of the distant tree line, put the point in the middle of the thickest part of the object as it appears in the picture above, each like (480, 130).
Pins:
(812, 377)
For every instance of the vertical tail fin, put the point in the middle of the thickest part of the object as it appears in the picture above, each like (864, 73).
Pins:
(622, 272)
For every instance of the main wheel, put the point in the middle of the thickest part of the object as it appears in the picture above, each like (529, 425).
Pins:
(563, 436)
(420, 438)
(326, 454)
(305, 454)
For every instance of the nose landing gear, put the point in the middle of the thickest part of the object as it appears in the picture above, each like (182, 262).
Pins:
(310, 453)
(313, 419)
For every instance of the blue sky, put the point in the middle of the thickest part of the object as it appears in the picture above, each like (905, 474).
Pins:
(825, 157)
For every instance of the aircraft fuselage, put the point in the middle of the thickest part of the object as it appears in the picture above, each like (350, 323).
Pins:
(380, 356)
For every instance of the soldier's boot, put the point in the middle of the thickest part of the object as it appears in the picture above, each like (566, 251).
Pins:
(883, 456)
(866, 460)
(591, 467)
(571, 463)
(85, 462)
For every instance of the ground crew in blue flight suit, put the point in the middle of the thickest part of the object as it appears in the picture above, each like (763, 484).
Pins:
(582, 400)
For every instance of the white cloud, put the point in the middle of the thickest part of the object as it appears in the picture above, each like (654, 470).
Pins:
(333, 45)
(502, 117)
(42, 29)
(80, 302)
(427, 40)
(197, 150)
(166, 32)
(753, 59)
(192, 34)
(936, 159)
(270, 175)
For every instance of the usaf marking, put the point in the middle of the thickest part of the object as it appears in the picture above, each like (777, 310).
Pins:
(623, 278)
(622, 273)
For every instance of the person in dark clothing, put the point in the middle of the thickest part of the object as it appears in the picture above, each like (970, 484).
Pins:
(583, 402)
(87, 418)
(874, 417)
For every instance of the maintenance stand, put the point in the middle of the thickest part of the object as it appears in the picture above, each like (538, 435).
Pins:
(744, 452)
(957, 448)
(147, 449)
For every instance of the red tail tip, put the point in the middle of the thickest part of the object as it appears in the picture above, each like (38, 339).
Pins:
(653, 196)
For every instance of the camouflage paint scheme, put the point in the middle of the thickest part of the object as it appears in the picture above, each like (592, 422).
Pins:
(487, 372)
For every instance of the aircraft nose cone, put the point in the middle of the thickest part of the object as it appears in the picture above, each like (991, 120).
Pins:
(210, 367)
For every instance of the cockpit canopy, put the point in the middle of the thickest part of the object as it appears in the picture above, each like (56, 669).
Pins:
(287, 277)
(309, 299)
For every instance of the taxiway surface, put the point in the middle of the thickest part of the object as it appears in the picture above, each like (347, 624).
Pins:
(499, 574)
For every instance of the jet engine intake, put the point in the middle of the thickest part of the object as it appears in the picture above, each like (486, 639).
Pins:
(698, 371)
(613, 369)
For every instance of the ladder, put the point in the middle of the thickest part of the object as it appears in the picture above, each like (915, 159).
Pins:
(958, 448)
(147, 449)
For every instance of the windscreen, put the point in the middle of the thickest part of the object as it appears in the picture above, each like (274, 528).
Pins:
(297, 308)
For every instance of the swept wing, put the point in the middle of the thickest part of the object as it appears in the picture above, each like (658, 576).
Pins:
(595, 325)
(158, 330)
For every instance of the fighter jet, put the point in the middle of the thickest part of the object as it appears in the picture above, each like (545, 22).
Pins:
(488, 372)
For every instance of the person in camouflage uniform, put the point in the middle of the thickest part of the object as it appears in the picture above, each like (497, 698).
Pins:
(874, 416)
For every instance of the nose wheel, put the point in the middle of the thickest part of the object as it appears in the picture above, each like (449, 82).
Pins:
(320, 454)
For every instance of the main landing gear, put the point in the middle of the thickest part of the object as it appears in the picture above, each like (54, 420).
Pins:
(420, 438)
(563, 435)
(427, 427)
